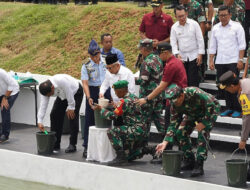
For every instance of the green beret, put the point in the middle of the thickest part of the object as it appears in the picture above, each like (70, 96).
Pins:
(146, 43)
(120, 84)
(173, 92)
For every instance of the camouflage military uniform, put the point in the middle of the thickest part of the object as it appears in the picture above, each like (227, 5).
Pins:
(237, 10)
(131, 136)
(198, 106)
(151, 71)
(195, 11)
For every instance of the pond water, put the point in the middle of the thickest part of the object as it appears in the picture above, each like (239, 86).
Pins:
(16, 184)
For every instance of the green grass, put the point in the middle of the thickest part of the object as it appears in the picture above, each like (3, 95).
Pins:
(49, 39)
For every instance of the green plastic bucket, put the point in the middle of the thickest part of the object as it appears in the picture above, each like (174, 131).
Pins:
(171, 162)
(82, 121)
(101, 122)
(237, 171)
(45, 143)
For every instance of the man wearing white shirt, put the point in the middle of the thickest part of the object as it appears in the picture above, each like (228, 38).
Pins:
(228, 41)
(69, 93)
(116, 72)
(9, 90)
(187, 44)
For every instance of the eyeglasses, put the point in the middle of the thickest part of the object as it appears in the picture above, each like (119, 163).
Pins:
(223, 15)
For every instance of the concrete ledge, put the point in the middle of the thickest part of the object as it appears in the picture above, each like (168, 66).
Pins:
(89, 176)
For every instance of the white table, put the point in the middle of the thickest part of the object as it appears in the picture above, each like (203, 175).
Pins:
(99, 146)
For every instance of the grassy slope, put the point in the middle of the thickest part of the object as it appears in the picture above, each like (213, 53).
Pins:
(49, 39)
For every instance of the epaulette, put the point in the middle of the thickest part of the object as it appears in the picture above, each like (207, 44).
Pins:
(86, 62)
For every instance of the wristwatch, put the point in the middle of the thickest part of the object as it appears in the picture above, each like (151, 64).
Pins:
(209, 22)
(241, 60)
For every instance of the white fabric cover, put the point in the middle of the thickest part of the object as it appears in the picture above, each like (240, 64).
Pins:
(99, 146)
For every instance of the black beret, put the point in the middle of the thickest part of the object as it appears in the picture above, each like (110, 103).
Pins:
(111, 58)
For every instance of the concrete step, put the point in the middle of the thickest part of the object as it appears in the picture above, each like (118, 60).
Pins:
(217, 134)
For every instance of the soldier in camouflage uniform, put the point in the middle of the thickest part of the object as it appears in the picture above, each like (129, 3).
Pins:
(129, 139)
(237, 10)
(196, 12)
(151, 71)
(191, 108)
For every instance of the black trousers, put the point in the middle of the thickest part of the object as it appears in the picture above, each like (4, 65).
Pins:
(192, 71)
(57, 117)
(232, 102)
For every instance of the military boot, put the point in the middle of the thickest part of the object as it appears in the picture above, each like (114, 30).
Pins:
(198, 169)
(188, 164)
(120, 159)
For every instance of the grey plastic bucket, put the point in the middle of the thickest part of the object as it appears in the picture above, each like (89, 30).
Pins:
(101, 122)
(171, 162)
(237, 171)
(45, 142)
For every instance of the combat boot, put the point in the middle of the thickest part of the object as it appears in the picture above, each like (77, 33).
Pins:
(198, 169)
(120, 159)
(188, 164)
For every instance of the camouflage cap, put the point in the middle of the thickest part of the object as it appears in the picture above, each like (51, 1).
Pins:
(156, 3)
(173, 92)
(227, 79)
(146, 43)
(120, 84)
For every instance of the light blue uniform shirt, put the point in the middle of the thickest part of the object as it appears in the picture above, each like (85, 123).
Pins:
(94, 73)
(119, 54)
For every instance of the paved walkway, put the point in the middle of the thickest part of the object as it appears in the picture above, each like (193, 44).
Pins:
(23, 139)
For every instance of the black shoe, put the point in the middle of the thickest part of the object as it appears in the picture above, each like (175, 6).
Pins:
(84, 154)
(156, 159)
(3, 138)
(119, 160)
(71, 148)
(188, 164)
(198, 169)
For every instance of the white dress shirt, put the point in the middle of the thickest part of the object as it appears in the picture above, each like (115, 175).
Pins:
(65, 88)
(8, 83)
(123, 74)
(227, 41)
(187, 40)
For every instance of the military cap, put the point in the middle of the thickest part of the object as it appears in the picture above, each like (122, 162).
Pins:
(163, 46)
(173, 92)
(111, 58)
(94, 49)
(156, 3)
(227, 79)
(120, 84)
(146, 43)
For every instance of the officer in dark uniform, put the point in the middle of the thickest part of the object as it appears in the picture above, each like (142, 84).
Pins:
(92, 75)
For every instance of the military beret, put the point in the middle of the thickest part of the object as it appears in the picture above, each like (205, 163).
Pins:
(94, 49)
(156, 3)
(111, 58)
(173, 92)
(163, 46)
(120, 84)
(146, 43)
(227, 79)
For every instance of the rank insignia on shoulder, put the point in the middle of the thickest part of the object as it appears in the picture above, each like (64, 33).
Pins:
(118, 111)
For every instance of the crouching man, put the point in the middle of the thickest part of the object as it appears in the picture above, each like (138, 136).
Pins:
(128, 140)
(191, 108)
(69, 93)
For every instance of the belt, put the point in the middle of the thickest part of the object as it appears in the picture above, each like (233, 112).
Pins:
(94, 86)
